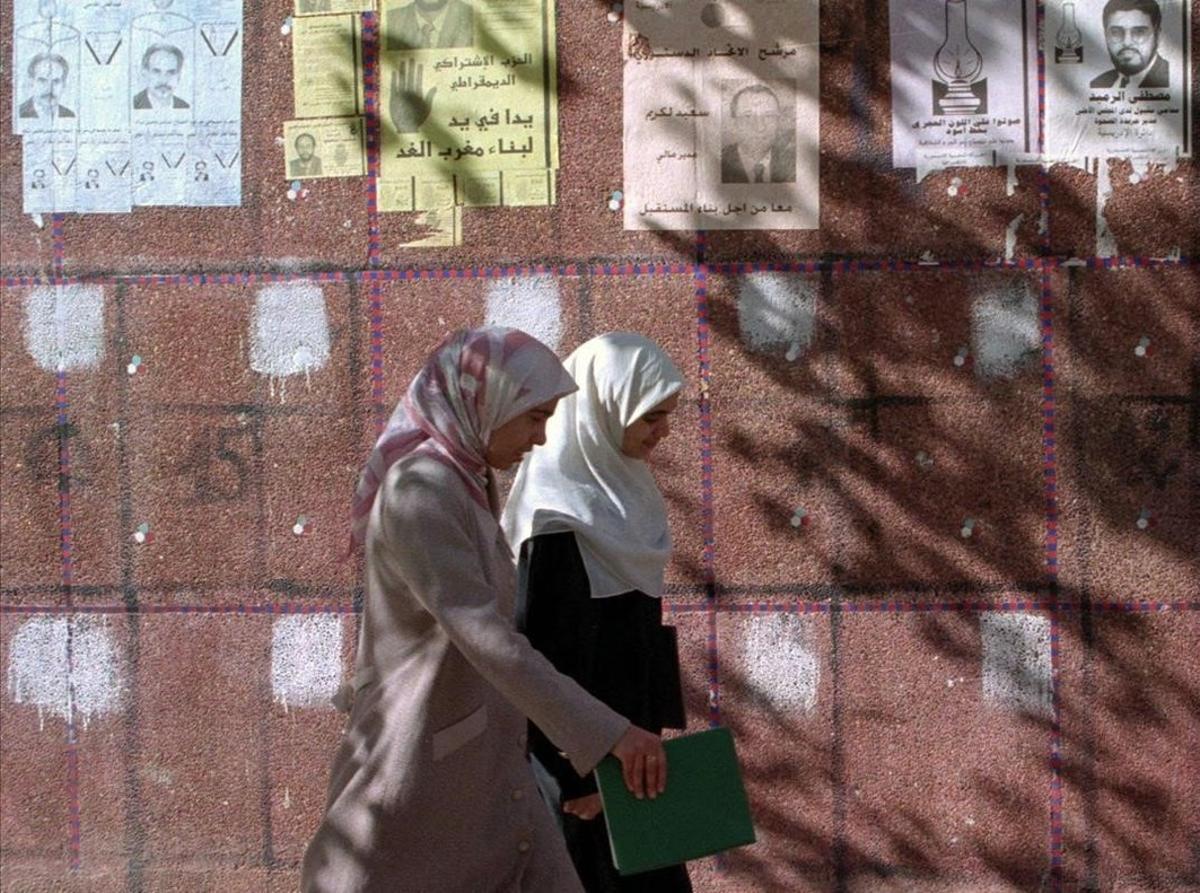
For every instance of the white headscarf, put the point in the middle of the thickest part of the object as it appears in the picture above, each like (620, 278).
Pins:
(582, 482)
(472, 383)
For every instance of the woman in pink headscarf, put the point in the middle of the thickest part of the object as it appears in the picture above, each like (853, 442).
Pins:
(431, 789)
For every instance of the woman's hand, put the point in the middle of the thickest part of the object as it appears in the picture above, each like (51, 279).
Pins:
(643, 762)
(586, 808)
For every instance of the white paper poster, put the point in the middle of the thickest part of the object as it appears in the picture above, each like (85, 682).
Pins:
(130, 103)
(1118, 79)
(964, 83)
(721, 121)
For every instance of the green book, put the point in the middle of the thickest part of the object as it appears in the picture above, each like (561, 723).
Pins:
(703, 810)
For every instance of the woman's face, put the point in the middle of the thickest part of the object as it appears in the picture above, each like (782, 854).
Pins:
(519, 435)
(643, 435)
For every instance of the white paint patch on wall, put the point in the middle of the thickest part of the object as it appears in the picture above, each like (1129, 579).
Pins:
(777, 310)
(64, 326)
(66, 667)
(779, 662)
(291, 331)
(530, 304)
(1004, 330)
(306, 660)
(1016, 661)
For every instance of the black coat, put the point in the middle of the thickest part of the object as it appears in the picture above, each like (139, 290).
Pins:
(618, 649)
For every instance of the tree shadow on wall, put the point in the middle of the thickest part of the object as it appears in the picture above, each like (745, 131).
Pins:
(1127, 772)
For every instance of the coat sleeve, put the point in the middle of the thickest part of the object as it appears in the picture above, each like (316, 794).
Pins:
(556, 593)
(428, 543)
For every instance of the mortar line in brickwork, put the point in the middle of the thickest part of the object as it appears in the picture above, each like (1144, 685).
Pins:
(1056, 784)
(262, 553)
(625, 269)
(58, 241)
(375, 308)
(66, 549)
(704, 406)
(1049, 432)
(670, 605)
(1049, 466)
(370, 50)
(135, 829)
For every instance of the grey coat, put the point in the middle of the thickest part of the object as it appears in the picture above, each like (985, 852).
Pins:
(431, 789)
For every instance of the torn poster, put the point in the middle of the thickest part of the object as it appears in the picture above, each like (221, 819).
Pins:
(964, 83)
(126, 104)
(721, 125)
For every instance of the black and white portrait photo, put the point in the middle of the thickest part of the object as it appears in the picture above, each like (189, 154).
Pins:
(1131, 33)
(429, 24)
(758, 122)
(306, 162)
(47, 76)
(160, 70)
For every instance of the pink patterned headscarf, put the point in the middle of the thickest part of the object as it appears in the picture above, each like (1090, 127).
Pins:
(474, 382)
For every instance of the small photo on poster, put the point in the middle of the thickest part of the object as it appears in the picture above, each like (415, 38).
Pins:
(758, 131)
(324, 147)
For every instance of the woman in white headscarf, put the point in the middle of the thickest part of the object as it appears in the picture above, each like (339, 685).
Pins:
(431, 789)
(590, 526)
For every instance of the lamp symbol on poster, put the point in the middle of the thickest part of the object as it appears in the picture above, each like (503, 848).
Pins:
(1068, 41)
(957, 66)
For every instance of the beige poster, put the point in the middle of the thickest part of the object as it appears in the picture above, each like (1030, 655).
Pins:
(324, 7)
(721, 124)
(443, 228)
(324, 147)
(327, 66)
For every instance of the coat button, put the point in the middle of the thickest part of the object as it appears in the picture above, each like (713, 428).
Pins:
(523, 740)
(523, 846)
(518, 794)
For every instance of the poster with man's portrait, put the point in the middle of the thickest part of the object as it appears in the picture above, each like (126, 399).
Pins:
(45, 75)
(758, 131)
(1118, 83)
(120, 90)
(721, 117)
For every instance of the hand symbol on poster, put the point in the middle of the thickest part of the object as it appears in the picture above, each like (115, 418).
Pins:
(407, 107)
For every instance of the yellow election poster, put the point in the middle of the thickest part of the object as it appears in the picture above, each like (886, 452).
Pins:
(327, 66)
(324, 147)
(469, 102)
(443, 229)
(324, 7)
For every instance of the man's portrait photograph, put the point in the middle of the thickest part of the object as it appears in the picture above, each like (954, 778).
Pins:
(160, 70)
(306, 163)
(758, 122)
(429, 24)
(47, 77)
(1131, 33)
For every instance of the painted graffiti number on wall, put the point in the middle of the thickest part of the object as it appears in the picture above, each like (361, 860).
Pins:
(217, 469)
